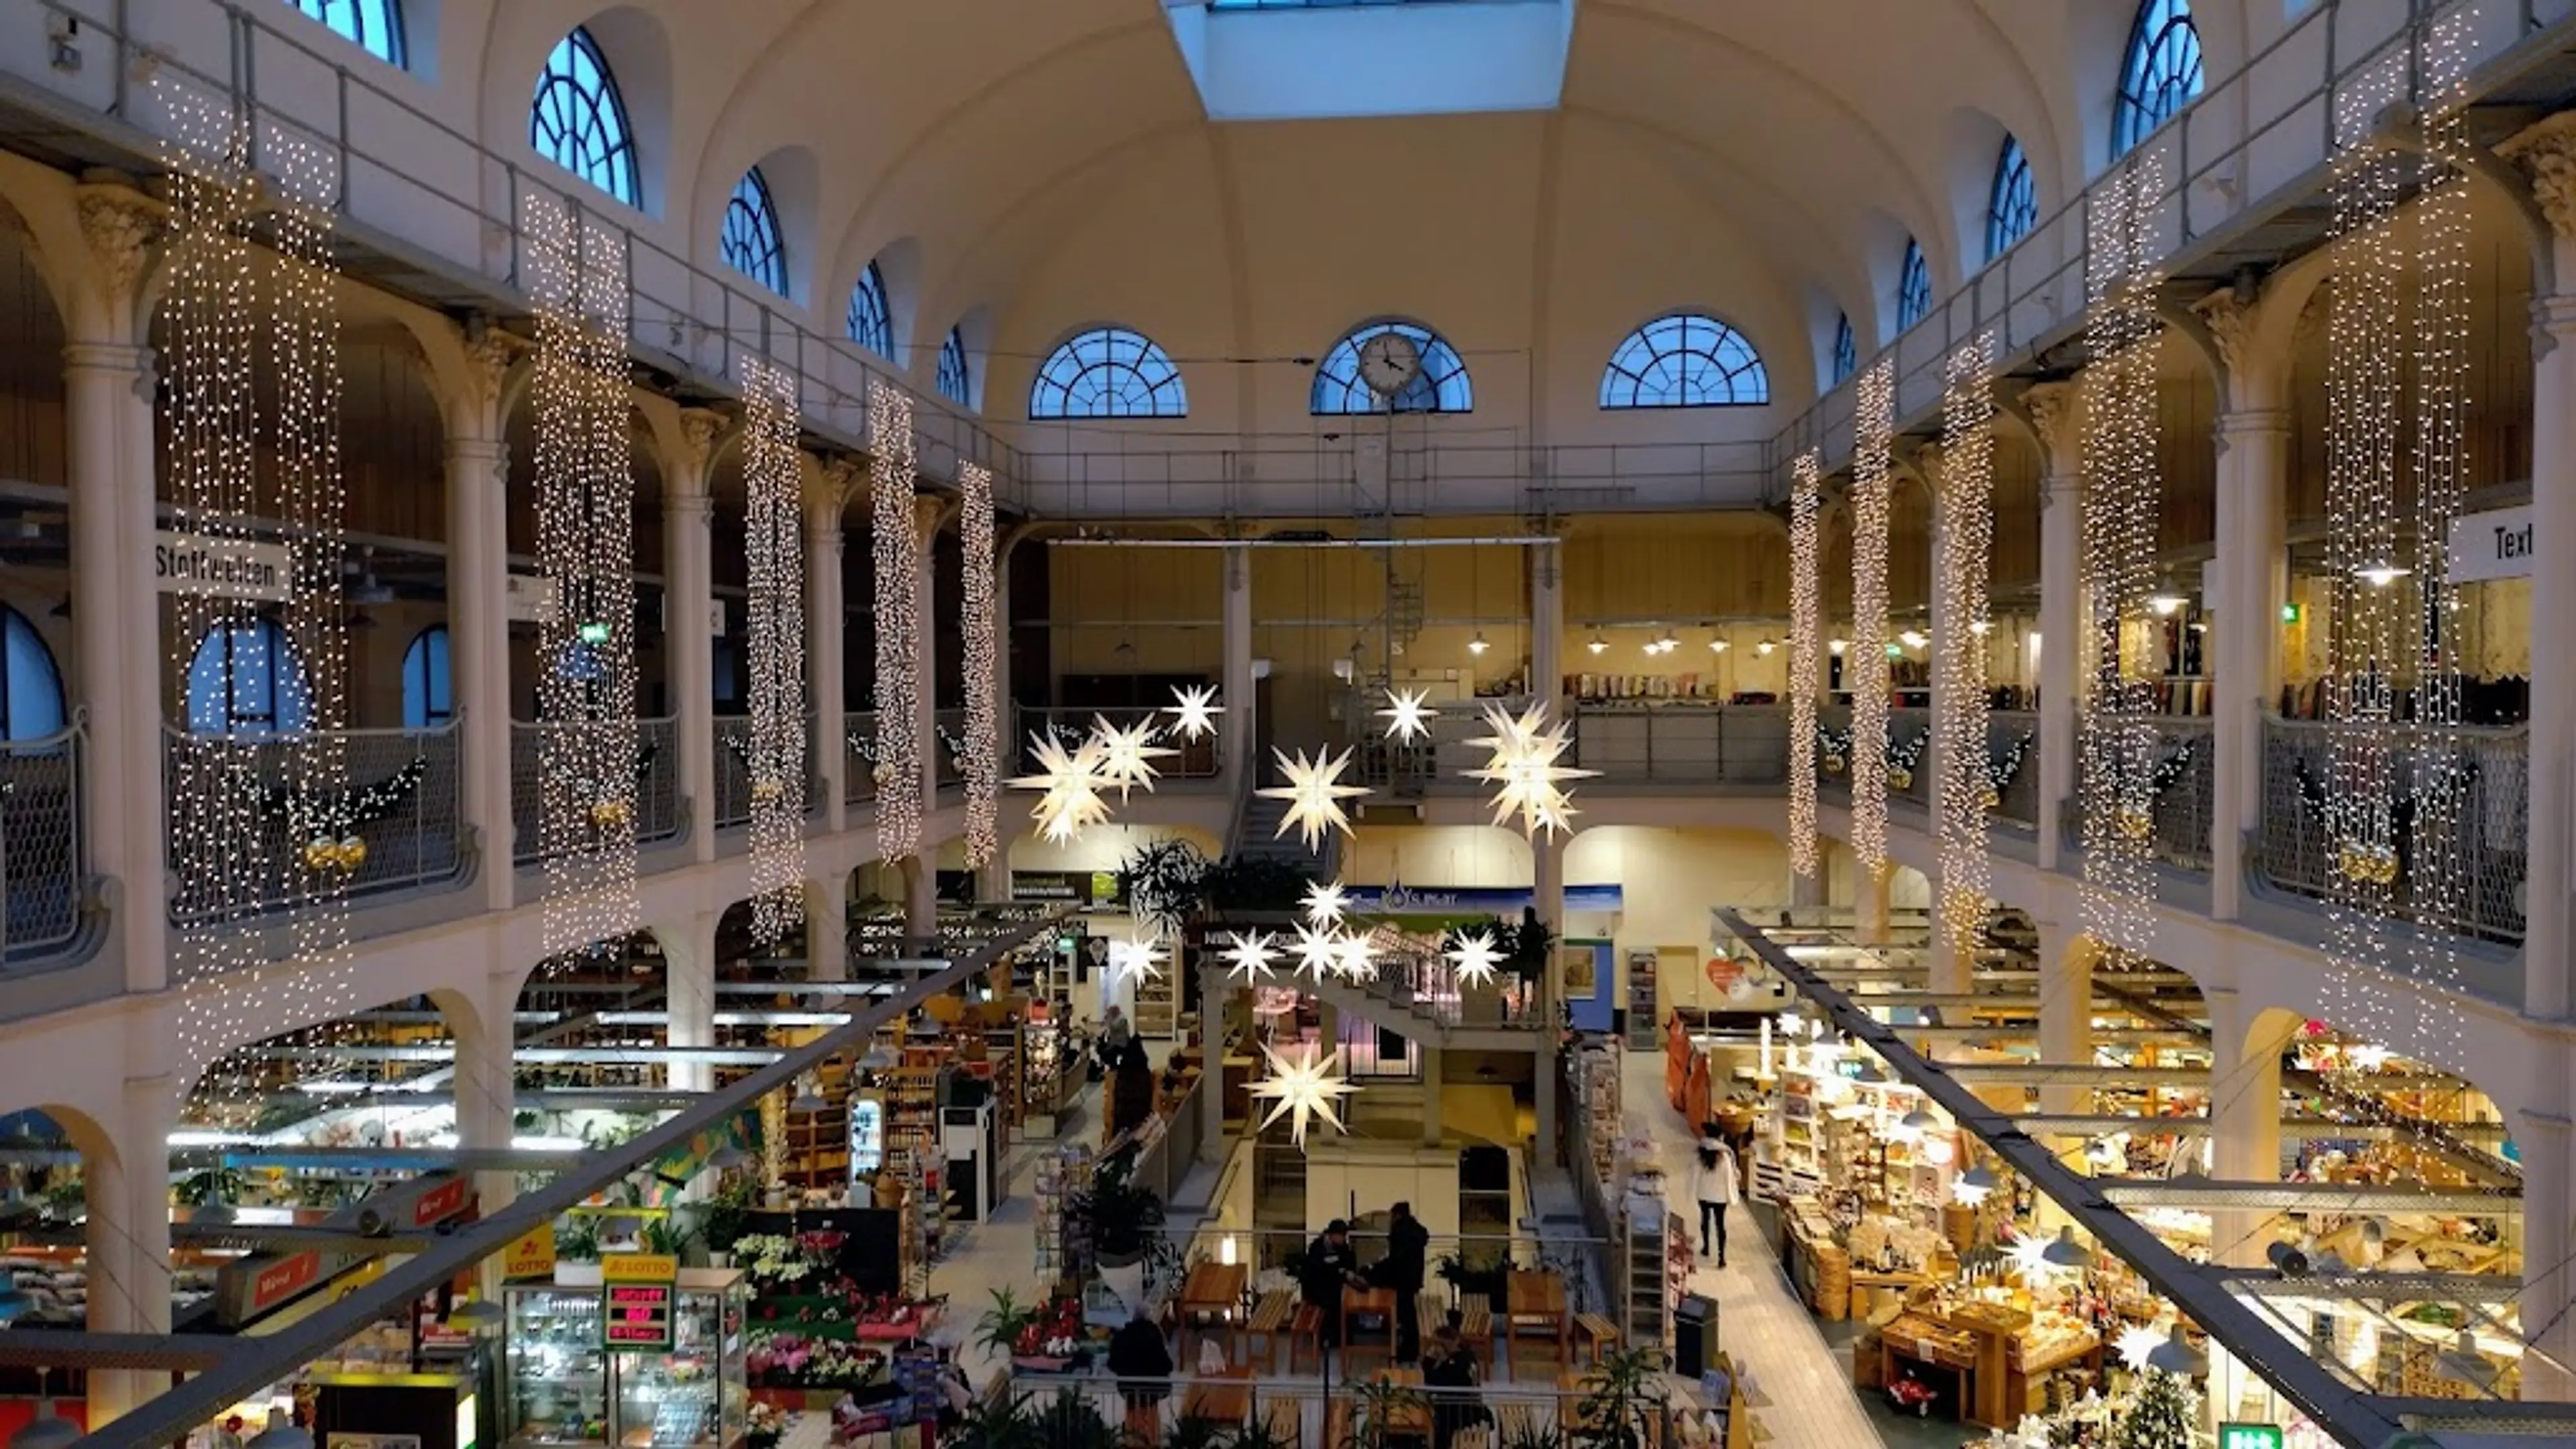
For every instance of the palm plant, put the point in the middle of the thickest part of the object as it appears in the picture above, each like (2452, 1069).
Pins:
(997, 1328)
(1379, 1412)
(1622, 1395)
(1257, 1433)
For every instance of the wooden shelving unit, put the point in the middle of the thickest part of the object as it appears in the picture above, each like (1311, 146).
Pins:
(1645, 1034)
(1644, 1274)
(1158, 1004)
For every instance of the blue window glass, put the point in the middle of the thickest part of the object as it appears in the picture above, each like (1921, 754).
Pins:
(427, 701)
(1439, 383)
(245, 679)
(1913, 287)
(1846, 350)
(31, 688)
(374, 25)
(955, 383)
(578, 121)
(1685, 360)
(871, 321)
(2013, 208)
(752, 245)
(2160, 74)
(1108, 372)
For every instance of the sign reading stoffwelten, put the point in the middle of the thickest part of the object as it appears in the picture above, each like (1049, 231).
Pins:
(227, 568)
(2496, 544)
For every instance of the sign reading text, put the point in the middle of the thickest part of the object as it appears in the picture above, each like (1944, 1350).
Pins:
(225, 568)
(2496, 544)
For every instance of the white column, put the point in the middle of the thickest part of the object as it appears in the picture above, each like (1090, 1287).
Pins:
(827, 928)
(2254, 578)
(1236, 729)
(1547, 625)
(2065, 1009)
(824, 625)
(1213, 1144)
(2056, 417)
(688, 585)
(2245, 1145)
(689, 982)
(1547, 853)
(2547, 1143)
(1433, 1129)
(127, 1237)
(478, 656)
(2549, 933)
(921, 874)
(993, 878)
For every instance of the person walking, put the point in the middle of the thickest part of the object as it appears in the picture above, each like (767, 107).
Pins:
(1407, 1260)
(1713, 1182)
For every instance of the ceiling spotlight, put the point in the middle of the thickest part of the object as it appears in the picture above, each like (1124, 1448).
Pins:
(1918, 1121)
(2166, 605)
(2176, 1356)
(281, 1433)
(1598, 645)
(1478, 645)
(1764, 647)
(1717, 646)
(46, 1431)
(2066, 1252)
(1914, 638)
(1668, 643)
(1837, 646)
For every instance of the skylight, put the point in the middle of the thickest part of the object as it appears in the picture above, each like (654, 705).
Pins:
(1277, 60)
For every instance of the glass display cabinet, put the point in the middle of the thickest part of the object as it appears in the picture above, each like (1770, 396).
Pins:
(568, 1389)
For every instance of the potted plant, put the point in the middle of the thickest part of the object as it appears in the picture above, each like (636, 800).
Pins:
(1126, 1220)
(727, 1219)
(1477, 1277)
(577, 1238)
(1623, 1394)
(1166, 883)
(997, 1329)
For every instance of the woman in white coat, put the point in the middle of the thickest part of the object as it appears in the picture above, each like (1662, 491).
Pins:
(1713, 1183)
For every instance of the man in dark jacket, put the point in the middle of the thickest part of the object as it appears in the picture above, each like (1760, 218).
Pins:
(1408, 1249)
(1142, 1363)
(1330, 1267)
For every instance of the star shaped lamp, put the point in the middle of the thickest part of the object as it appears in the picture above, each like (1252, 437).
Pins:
(1318, 951)
(1069, 784)
(1127, 756)
(1194, 710)
(1139, 958)
(1475, 957)
(1524, 772)
(1314, 793)
(1407, 717)
(1250, 956)
(1326, 903)
(1302, 1089)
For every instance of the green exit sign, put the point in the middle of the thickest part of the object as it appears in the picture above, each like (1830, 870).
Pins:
(2248, 1436)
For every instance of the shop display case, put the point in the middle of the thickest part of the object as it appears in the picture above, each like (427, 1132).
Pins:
(565, 1387)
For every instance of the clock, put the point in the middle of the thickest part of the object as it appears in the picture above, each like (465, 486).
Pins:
(1388, 362)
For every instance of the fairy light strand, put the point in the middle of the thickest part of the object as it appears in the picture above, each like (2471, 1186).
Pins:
(981, 757)
(2115, 725)
(1865, 663)
(774, 572)
(896, 551)
(1962, 794)
(1806, 622)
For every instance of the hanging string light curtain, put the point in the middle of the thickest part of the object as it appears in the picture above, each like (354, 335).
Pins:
(774, 568)
(1865, 662)
(897, 555)
(1806, 622)
(1963, 791)
(2115, 725)
(982, 764)
(2396, 373)
(575, 272)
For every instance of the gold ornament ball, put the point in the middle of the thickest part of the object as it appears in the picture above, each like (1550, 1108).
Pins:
(352, 853)
(1992, 799)
(1834, 764)
(765, 790)
(2134, 823)
(608, 813)
(1900, 778)
(319, 854)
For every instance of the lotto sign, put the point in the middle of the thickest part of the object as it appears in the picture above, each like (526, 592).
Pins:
(639, 1301)
(2248, 1436)
(531, 1256)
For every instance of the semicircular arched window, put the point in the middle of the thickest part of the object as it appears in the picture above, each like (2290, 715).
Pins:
(871, 320)
(246, 679)
(428, 698)
(1913, 287)
(954, 381)
(2012, 207)
(2159, 75)
(375, 26)
(752, 244)
(579, 122)
(1846, 350)
(1684, 360)
(31, 685)
(1108, 372)
(1439, 383)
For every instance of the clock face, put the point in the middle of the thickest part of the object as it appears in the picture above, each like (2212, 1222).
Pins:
(1388, 361)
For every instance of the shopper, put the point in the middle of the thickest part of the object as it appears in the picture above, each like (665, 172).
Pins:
(1142, 1363)
(1713, 1183)
(1116, 1033)
(1329, 1267)
(1129, 1094)
(1449, 1381)
(1408, 1253)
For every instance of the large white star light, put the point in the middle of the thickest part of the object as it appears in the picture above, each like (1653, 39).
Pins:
(1069, 782)
(1302, 1089)
(1314, 793)
(1127, 756)
(2137, 1341)
(1475, 957)
(1318, 951)
(1133, 957)
(1194, 710)
(1528, 780)
(1407, 717)
(1325, 903)
(1250, 956)
(1355, 956)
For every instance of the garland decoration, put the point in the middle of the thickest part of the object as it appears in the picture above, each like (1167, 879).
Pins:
(2002, 771)
(328, 822)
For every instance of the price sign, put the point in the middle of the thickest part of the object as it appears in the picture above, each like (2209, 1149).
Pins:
(638, 1319)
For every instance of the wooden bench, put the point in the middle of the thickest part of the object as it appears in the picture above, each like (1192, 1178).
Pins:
(1476, 1326)
(1597, 1335)
(1286, 1419)
(1269, 1319)
(1306, 1331)
(1337, 1420)
(1514, 1423)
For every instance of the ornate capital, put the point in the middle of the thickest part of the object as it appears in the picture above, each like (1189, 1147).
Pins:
(699, 430)
(838, 482)
(2230, 324)
(2056, 415)
(1926, 463)
(2548, 159)
(120, 224)
(487, 361)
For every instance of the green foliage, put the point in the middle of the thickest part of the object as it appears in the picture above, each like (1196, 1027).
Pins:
(1533, 1434)
(728, 1213)
(214, 1184)
(998, 1328)
(1253, 885)
(1165, 882)
(1378, 1412)
(577, 1238)
(1622, 1399)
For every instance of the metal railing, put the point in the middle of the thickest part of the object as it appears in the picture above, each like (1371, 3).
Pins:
(657, 784)
(1832, 784)
(42, 850)
(1909, 750)
(1197, 760)
(1094, 1408)
(2485, 774)
(1423, 984)
(859, 740)
(1684, 744)
(2181, 791)
(1435, 765)
(2017, 802)
(409, 839)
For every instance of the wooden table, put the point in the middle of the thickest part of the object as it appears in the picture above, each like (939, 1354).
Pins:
(1214, 1290)
(1534, 1299)
(1224, 1399)
(1356, 1301)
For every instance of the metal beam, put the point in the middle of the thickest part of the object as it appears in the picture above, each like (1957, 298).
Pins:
(2199, 1194)
(172, 1416)
(29, 1347)
(2101, 1036)
(2103, 1123)
(2068, 1074)
(2373, 1287)
(619, 1056)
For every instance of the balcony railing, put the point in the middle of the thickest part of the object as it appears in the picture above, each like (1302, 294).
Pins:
(2181, 786)
(1909, 750)
(411, 839)
(859, 741)
(2475, 784)
(42, 859)
(1197, 759)
(733, 771)
(657, 784)
(2017, 802)
(1738, 745)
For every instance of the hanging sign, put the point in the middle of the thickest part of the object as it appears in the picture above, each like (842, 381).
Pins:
(2248, 1436)
(638, 1291)
(224, 568)
(528, 599)
(531, 1256)
(2497, 544)
(1724, 972)
(867, 1138)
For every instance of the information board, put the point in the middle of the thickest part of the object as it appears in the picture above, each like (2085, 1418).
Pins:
(638, 1319)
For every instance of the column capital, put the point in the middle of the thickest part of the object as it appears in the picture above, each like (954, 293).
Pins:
(121, 225)
(2547, 158)
(701, 429)
(2055, 412)
(929, 511)
(687, 505)
(2237, 423)
(117, 357)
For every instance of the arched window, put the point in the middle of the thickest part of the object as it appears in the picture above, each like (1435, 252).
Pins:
(1913, 287)
(752, 245)
(2013, 208)
(1108, 372)
(31, 688)
(578, 121)
(1684, 360)
(427, 700)
(955, 383)
(871, 322)
(246, 680)
(2160, 74)
(1846, 350)
(1439, 384)
(374, 25)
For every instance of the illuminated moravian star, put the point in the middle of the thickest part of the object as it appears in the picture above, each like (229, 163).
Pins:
(1194, 710)
(2364, 1057)
(1528, 780)
(1302, 1089)
(1314, 793)
(1355, 955)
(1069, 781)
(1250, 956)
(1407, 717)
(1318, 951)
(1127, 755)
(1475, 957)
(2029, 1258)
(1132, 957)
(2137, 1341)
(1325, 903)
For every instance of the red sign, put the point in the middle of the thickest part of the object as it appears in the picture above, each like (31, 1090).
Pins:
(282, 1280)
(638, 1317)
(1724, 972)
(439, 1203)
